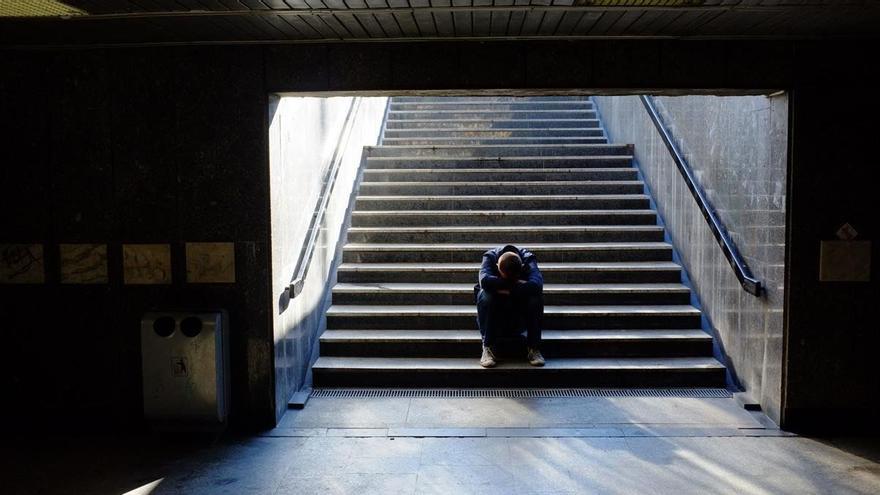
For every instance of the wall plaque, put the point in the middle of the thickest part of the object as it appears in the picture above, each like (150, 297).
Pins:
(845, 261)
(83, 263)
(22, 264)
(210, 262)
(146, 264)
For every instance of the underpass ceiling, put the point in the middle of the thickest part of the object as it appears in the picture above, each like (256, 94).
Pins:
(104, 22)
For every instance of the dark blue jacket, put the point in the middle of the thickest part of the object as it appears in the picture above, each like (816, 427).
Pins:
(491, 280)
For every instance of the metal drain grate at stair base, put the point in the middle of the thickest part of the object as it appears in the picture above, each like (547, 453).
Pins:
(506, 393)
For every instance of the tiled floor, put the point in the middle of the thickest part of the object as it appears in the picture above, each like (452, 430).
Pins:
(450, 446)
(518, 413)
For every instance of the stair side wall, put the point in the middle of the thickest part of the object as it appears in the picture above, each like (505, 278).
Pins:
(305, 135)
(737, 148)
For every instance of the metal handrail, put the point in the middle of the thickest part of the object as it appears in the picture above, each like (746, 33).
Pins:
(748, 282)
(329, 181)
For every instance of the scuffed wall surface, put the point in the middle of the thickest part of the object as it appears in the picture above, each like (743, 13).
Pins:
(304, 134)
(737, 149)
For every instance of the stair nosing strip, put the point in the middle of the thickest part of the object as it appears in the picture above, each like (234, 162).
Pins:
(616, 211)
(452, 288)
(505, 228)
(544, 266)
(470, 364)
(489, 170)
(505, 157)
(500, 197)
(509, 183)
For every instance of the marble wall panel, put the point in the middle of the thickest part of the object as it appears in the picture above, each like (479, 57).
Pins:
(146, 264)
(22, 264)
(736, 147)
(81, 161)
(210, 262)
(83, 263)
(224, 152)
(303, 137)
(147, 149)
(24, 124)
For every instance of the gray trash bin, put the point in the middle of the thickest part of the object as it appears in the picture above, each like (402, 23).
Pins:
(185, 361)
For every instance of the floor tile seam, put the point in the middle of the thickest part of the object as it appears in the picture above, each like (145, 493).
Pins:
(530, 425)
(720, 432)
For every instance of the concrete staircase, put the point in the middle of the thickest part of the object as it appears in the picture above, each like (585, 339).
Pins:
(454, 177)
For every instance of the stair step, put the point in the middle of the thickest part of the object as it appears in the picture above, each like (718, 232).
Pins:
(478, 105)
(500, 150)
(394, 115)
(372, 218)
(496, 132)
(531, 162)
(494, 202)
(556, 252)
(564, 372)
(504, 188)
(501, 141)
(464, 316)
(554, 343)
(389, 293)
(457, 176)
(521, 234)
(499, 174)
(491, 123)
(554, 273)
(479, 99)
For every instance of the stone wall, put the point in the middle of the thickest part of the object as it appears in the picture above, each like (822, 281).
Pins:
(737, 148)
(305, 135)
(130, 157)
(169, 144)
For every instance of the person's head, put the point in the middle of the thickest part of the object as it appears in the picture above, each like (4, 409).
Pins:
(509, 265)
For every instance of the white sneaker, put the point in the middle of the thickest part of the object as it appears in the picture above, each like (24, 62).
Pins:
(488, 358)
(535, 358)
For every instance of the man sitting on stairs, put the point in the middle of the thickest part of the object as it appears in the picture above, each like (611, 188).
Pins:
(510, 294)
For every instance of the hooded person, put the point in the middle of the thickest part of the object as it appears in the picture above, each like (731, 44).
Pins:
(509, 295)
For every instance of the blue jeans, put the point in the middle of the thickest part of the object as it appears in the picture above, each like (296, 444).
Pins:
(501, 315)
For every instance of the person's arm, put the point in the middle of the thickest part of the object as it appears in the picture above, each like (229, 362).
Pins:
(536, 278)
(488, 280)
(534, 282)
